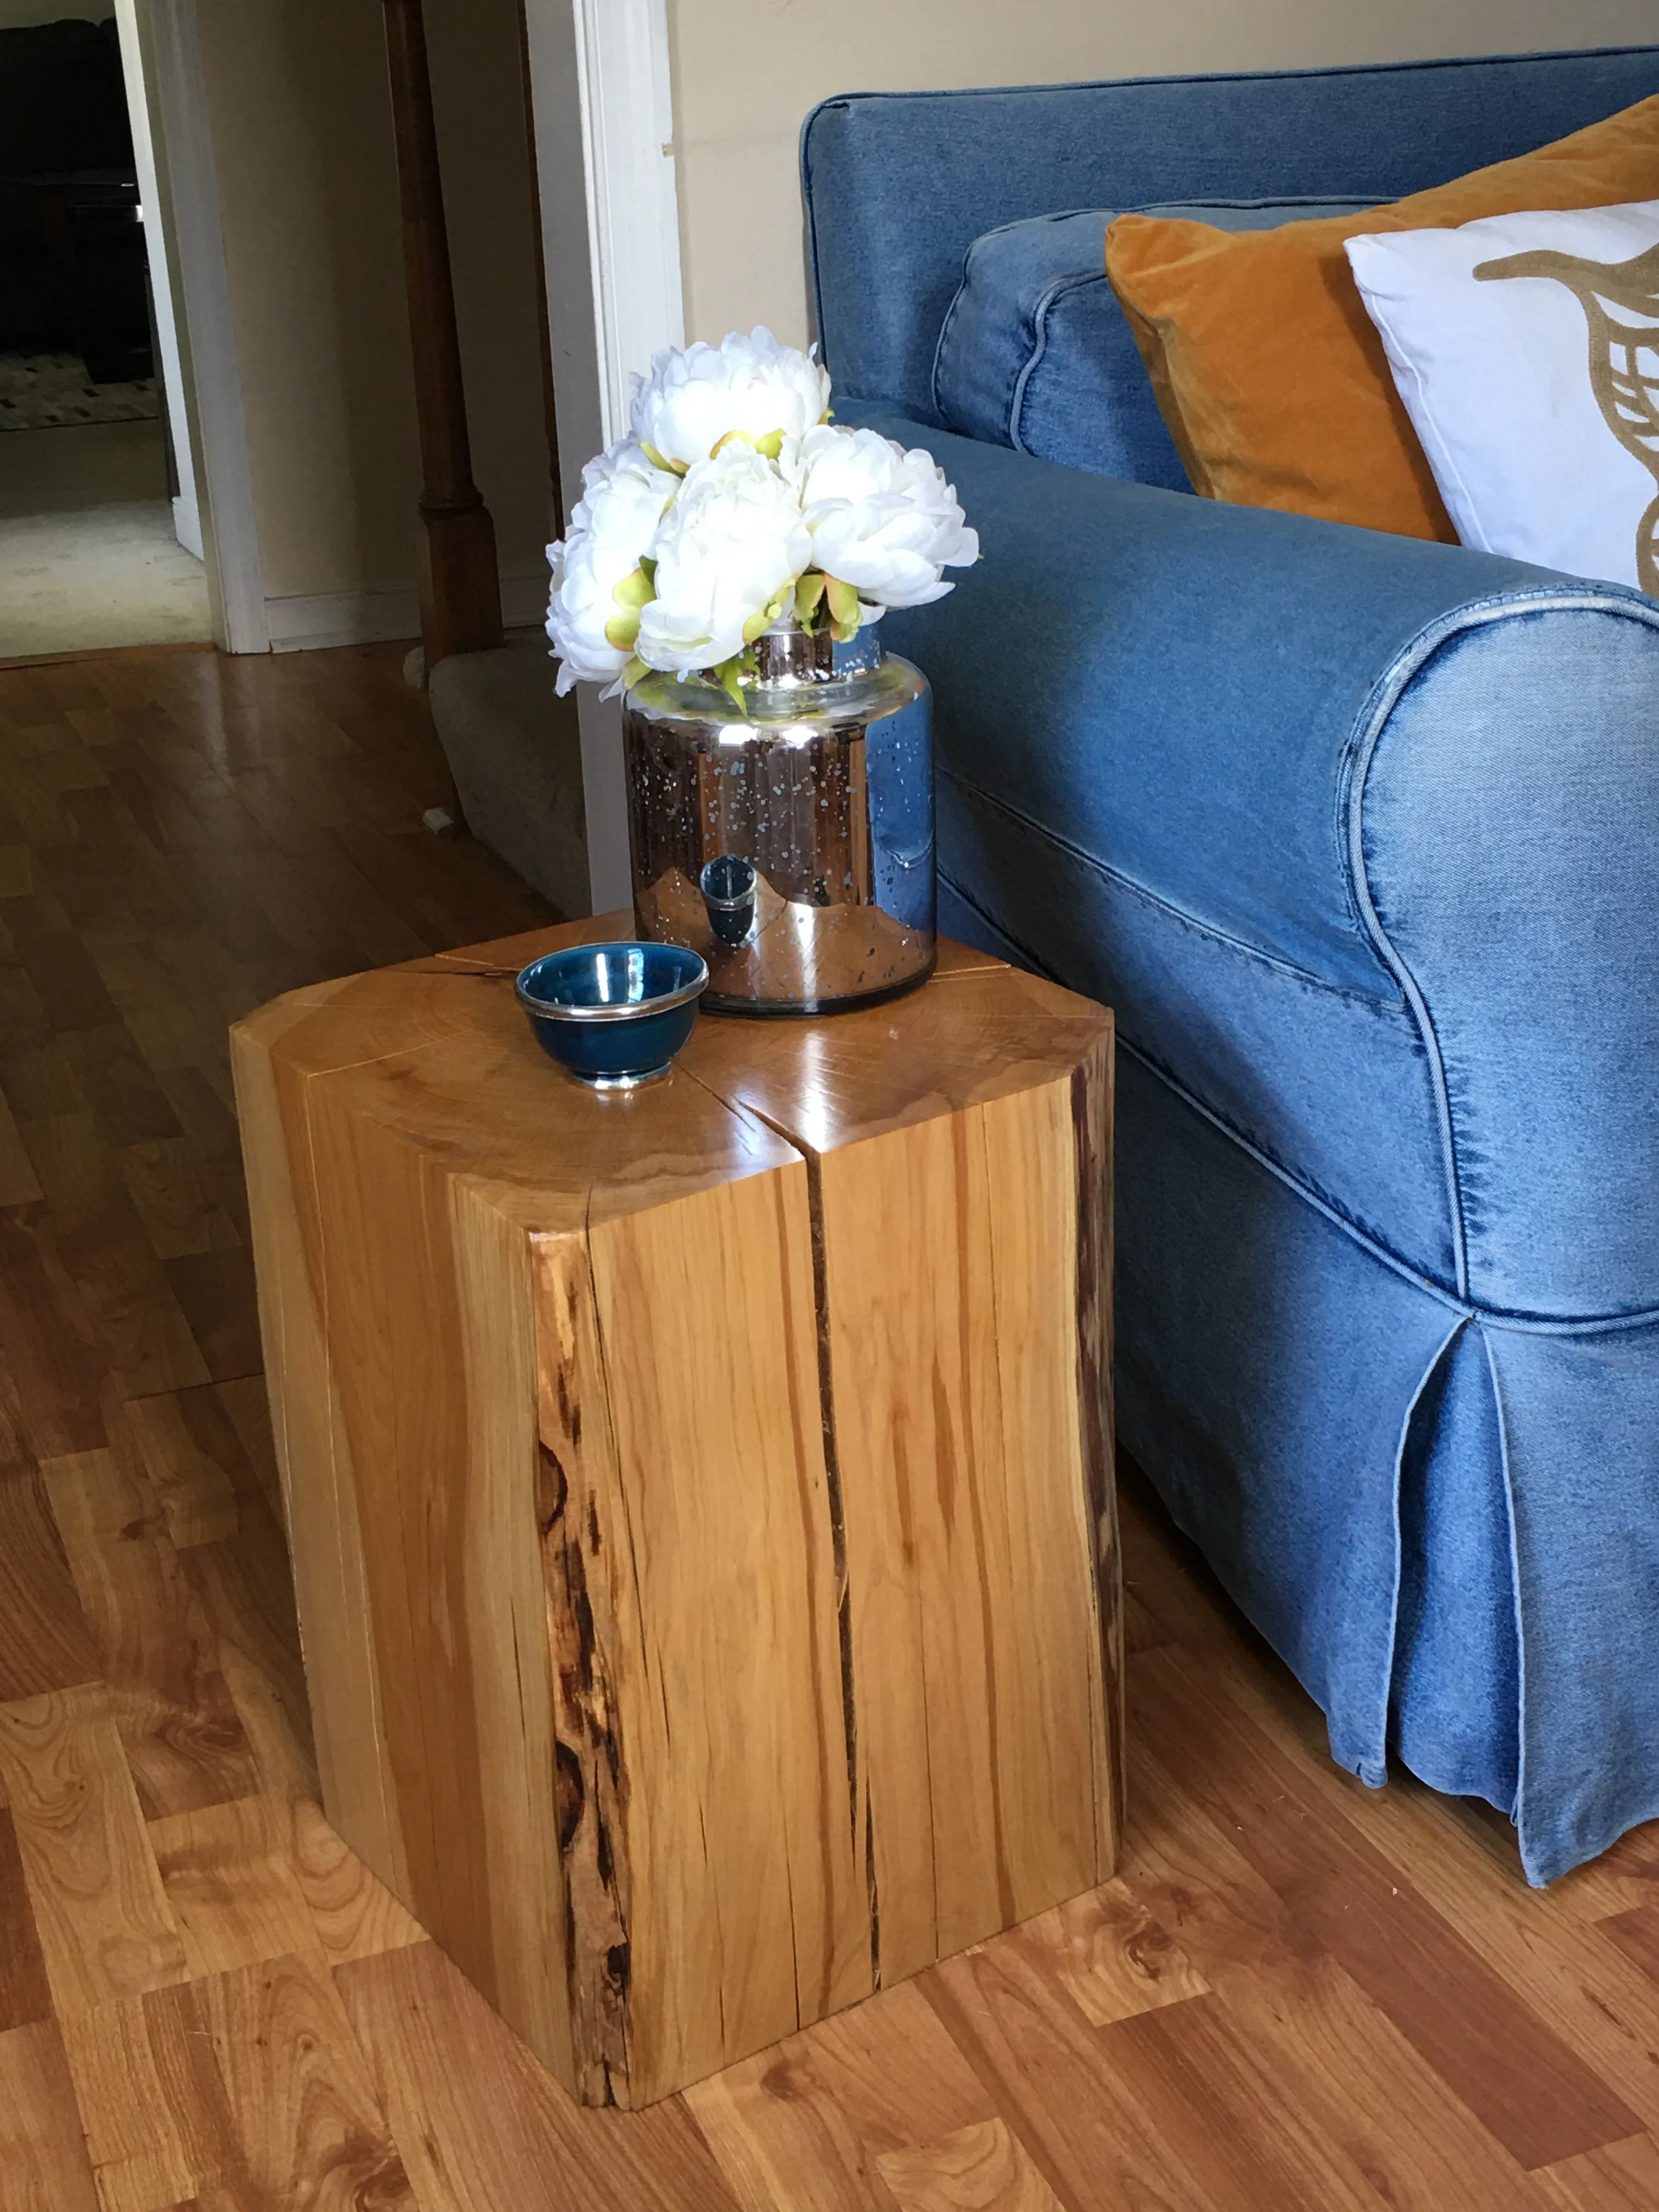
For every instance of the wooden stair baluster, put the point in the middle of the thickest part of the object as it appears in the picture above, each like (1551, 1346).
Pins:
(460, 580)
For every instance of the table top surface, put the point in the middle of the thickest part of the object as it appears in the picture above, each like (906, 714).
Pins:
(439, 1049)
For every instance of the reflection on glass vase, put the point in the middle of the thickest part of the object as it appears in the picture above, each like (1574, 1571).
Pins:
(792, 845)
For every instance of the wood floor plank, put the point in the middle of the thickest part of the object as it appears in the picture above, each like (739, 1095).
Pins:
(215, 1290)
(24, 1994)
(182, 1736)
(179, 1215)
(19, 1184)
(803, 2127)
(1328, 2049)
(244, 1588)
(189, 1450)
(1525, 2083)
(102, 1917)
(1048, 2075)
(152, 2105)
(1576, 1975)
(128, 1105)
(247, 1408)
(1113, 1957)
(1622, 2177)
(43, 2157)
(99, 1261)
(980, 2169)
(353, 1914)
(307, 2117)
(49, 1344)
(45, 1641)
(65, 980)
(232, 1886)
(482, 2127)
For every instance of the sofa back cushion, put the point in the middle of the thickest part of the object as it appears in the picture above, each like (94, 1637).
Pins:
(1271, 375)
(1036, 352)
(899, 184)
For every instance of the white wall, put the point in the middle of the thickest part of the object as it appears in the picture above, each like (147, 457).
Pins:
(746, 72)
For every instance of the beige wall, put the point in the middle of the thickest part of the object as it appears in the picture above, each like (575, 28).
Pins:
(302, 135)
(747, 71)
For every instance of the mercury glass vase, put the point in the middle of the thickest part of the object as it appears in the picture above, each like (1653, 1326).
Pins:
(791, 843)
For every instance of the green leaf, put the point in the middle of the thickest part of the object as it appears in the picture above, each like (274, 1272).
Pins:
(621, 629)
(843, 608)
(634, 672)
(635, 590)
(808, 593)
(757, 624)
(726, 677)
(770, 444)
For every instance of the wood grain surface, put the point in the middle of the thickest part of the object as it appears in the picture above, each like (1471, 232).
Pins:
(1228, 2026)
(764, 1388)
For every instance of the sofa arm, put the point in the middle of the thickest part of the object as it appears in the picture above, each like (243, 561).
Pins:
(1194, 675)
(1414, 772)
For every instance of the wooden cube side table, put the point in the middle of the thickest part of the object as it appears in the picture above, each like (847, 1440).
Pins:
(700, 1500)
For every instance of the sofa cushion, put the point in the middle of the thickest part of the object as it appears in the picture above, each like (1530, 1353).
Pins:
(1036, 353)
(1270, 374)
(1542, 450)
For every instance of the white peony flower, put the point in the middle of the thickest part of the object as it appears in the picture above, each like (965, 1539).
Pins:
(624, 495)
(746, 387)
(883, 521)
(728, 553)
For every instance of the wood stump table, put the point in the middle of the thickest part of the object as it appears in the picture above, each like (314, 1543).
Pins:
(700, 1500)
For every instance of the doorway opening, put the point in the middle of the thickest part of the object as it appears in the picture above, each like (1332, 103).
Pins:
(101, 530)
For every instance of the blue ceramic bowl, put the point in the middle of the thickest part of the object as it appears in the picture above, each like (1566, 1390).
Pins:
(615, 1015)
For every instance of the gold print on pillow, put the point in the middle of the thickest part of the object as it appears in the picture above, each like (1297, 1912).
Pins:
(1620, 301)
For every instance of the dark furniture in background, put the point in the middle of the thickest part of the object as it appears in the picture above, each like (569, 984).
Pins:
(73, 268)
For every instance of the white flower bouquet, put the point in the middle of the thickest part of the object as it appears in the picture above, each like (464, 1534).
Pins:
(735, 505)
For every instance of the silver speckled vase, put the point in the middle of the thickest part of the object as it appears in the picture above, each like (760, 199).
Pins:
(791, 846)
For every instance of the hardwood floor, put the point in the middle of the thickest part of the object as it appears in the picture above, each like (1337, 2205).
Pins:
(1299, 1995)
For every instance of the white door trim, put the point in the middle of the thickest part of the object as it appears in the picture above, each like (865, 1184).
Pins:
(633, 201)
(189, 183)
(601, 94)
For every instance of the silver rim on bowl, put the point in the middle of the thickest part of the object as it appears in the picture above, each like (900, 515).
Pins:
(620, 1010)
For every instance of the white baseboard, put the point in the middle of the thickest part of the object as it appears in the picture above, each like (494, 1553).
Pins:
(309, 623)
(314, 621)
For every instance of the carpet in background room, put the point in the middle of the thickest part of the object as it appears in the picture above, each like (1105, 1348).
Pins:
(88, 558)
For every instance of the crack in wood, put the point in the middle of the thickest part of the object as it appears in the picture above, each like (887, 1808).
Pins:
(838, 1537)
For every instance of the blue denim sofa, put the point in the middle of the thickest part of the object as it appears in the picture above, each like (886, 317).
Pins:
(1360, 836)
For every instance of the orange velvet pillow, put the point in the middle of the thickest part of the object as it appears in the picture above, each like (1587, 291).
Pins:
(1269, 372)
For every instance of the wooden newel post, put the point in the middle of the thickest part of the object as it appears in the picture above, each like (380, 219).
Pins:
(460, 584)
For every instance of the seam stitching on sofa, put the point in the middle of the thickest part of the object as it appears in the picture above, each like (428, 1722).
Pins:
(1611, 1324)
(1427, 1376)
(845, 100)
(1062, 287)
(1528, 1857)
(1270, 960)
(1373, 719)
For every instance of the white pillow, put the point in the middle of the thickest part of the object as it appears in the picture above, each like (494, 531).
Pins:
(1534, 388)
